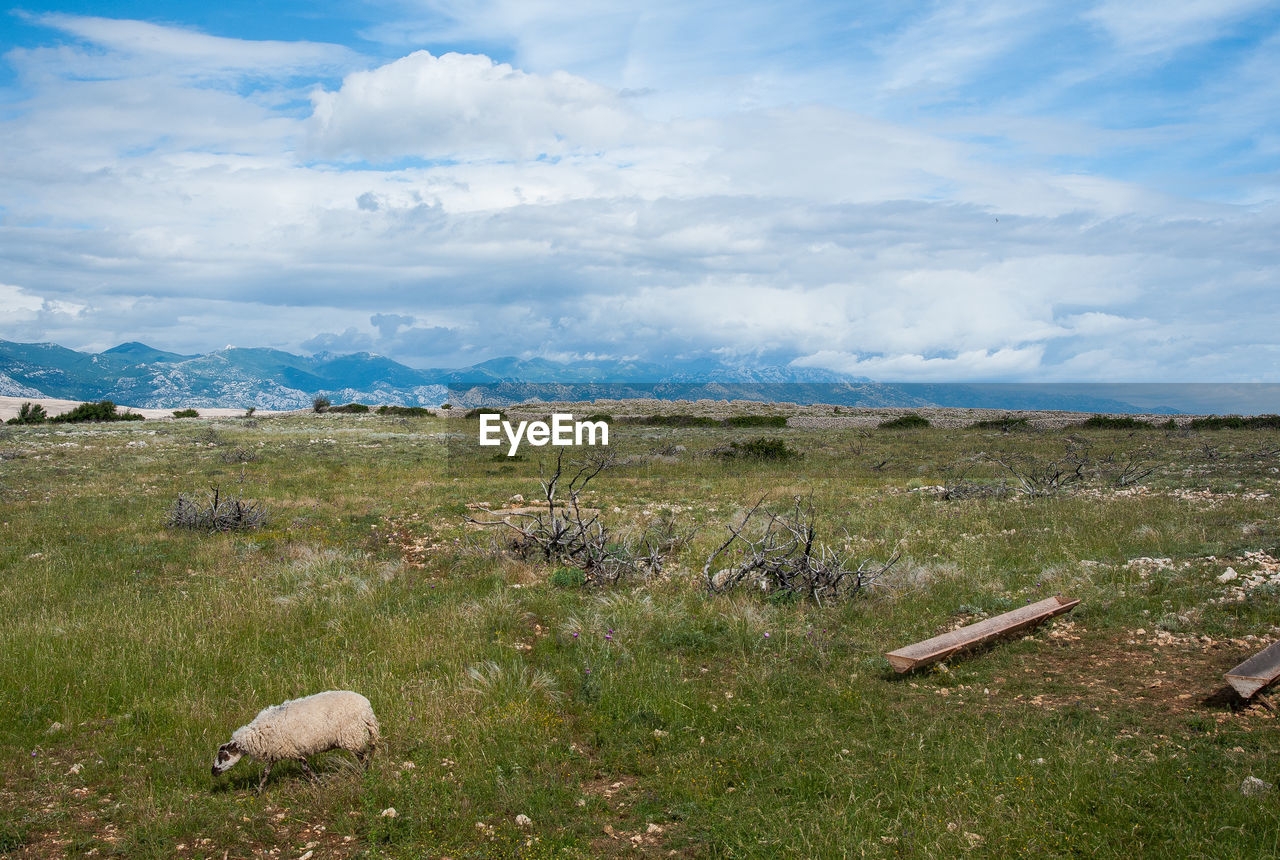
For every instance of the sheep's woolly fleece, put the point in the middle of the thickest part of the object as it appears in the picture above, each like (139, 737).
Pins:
(336, 719)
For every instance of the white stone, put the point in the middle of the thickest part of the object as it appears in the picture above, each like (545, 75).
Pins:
(1252, 786)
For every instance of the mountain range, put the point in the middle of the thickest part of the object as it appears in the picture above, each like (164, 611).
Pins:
(138, 375)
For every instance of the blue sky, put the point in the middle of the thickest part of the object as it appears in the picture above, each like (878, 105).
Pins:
(906, 191)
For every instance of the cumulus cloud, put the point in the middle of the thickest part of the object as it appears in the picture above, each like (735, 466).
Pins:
(389, 324)
(440, 107)
(17, 303)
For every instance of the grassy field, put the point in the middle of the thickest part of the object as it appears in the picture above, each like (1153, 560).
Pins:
(646, 718)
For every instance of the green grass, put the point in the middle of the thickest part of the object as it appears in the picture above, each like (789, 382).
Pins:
(150, 646)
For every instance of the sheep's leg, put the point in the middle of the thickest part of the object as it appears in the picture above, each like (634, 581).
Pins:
(266, 772)
(306, 768)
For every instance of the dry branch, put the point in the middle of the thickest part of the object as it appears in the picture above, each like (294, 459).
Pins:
(781, 552)
(567, 533)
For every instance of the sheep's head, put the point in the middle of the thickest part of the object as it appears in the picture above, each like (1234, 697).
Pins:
(228, 755)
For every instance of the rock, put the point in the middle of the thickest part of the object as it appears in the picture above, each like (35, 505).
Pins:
(1252, 786)
(516, 499)
(1228, 575)
(53, 729)
(389, 812)
(523, 820)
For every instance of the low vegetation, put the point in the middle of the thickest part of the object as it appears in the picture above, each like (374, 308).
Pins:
(535, 707)
(29, 413)
(216, 513)
(762, 448)
(1005, 423)
(674, 420)
(1236, 422)
(1114, 422)
(405, 411)
(910, 421)
(756, 421)
(103, 410)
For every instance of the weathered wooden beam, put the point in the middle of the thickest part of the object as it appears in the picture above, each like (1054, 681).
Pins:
(1257, 672)
(942, 647)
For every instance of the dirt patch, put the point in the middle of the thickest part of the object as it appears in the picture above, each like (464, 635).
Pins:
(620, 838)
(1162, 678)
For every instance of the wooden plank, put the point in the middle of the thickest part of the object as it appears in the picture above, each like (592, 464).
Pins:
(941, 647)
(1257, 672)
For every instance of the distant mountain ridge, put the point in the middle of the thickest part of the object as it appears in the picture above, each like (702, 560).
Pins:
(136, 374)
(140, 375)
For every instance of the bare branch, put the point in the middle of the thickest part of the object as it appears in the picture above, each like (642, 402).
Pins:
(781, 553)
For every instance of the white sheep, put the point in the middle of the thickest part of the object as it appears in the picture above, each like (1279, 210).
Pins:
(334, 719)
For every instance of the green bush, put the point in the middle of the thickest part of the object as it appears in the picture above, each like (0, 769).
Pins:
(485, 410)
(321, 404)
(103, 410)
(1108, 422)
(568, 577)
(600, 416)
(355, 408)
(757, 421)
(764, 448)
(677, 420)
(185, 413)
(404, 411)
(910, 421)
(29, 413)
(1237, 422)
(1005, 424)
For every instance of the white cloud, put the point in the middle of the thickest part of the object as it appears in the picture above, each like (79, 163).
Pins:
(183, 209)
(18, 304)
(182, 52)
(15, 302)
(957, 41)
(978, 364)
(463, 105)
(1159, 26)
